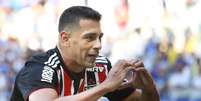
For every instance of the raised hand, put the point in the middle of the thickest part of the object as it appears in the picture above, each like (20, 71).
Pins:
(143, 79)
(117, 74)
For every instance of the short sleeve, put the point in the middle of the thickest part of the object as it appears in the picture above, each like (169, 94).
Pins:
(35, 76)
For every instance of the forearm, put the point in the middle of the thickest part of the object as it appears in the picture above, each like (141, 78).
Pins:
(150, 96)
(135, 96)
(143, 96)
(92, 94)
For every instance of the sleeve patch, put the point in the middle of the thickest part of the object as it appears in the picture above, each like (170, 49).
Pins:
(47, 74)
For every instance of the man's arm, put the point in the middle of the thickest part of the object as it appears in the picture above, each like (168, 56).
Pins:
(49, 94)
(143, 96)
(113, 81)
(150, 96)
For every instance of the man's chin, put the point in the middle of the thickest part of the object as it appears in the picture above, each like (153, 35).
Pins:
(90, 65)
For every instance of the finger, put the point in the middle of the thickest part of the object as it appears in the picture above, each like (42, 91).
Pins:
(133, 61)
(139, 64)
(143, 78)
(124, 72)
(128, 69)
(147, 76)
(139, 69)
(143, 71)
(128, 73)
(123, 64)
(138, 83)
(119, 65)
(129, 77)
(144, 75)
(125, 85)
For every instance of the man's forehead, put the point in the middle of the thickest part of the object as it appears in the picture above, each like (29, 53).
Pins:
(90, 27)
(88, 22)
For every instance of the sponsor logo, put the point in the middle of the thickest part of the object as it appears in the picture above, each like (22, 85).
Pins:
(95, 69)
(47, 74)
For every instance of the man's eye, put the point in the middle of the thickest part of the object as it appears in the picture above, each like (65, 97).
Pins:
(90, 38)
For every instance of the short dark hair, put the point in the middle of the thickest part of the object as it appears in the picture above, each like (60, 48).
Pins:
(72, 16)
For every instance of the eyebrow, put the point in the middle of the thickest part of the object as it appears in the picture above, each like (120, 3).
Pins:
(101, 34)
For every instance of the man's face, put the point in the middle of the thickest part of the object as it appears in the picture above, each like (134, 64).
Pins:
(86, 43)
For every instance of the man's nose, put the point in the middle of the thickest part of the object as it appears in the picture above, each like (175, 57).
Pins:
(97, 44)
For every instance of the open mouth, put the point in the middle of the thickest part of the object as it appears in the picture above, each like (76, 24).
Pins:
(93, 56)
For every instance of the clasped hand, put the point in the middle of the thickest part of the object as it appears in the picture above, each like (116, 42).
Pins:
(130, 73)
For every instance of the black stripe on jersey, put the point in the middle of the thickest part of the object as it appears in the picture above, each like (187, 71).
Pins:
(91, 79)
(76, 85)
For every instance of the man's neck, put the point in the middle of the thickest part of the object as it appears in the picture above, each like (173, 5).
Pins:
(72, 66)
(69, 63)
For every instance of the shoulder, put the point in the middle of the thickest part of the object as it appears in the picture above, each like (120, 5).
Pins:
(40, 63)
(42, 57)
(39, 69)
(49, 58)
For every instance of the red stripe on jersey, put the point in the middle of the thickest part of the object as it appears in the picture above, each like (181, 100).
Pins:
(67, 85)
(81, 88)
(101, 74)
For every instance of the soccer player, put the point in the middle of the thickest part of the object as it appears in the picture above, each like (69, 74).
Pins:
(74, 71)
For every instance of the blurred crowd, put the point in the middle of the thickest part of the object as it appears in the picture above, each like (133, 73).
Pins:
(171, 53)
(176, 74)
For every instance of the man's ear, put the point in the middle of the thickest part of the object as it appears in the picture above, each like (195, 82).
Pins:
(64, 38)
